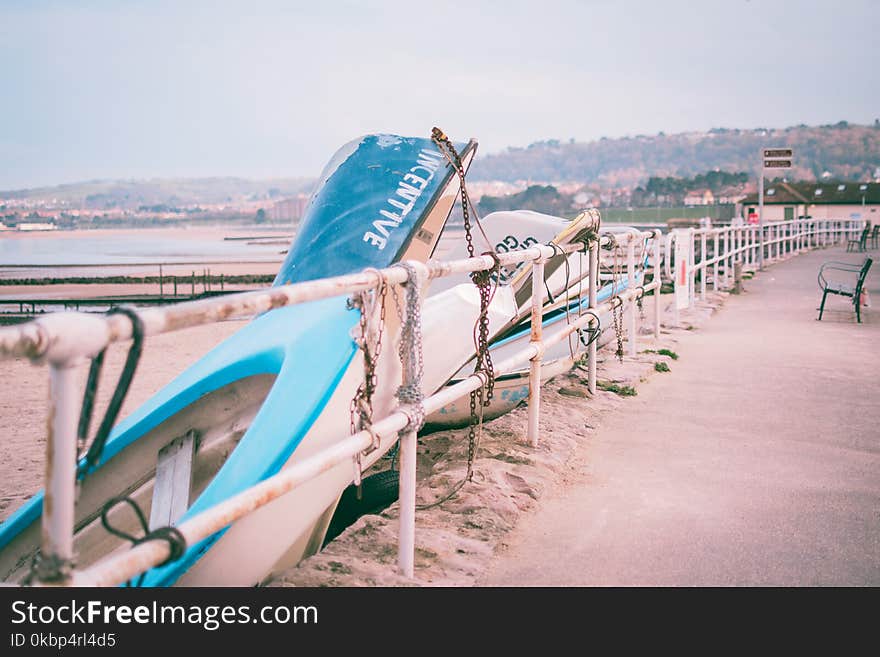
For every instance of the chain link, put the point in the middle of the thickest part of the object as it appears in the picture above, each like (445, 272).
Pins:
(361, 408)
(616, 311)
(482, 396)
(409, 394)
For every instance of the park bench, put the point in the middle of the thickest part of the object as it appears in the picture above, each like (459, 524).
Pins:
(860, 243)
(844, 288)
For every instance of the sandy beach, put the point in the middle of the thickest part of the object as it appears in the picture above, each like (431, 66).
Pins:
(24, 394)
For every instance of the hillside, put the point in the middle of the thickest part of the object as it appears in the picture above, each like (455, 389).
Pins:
(846, 151)
(179, 192)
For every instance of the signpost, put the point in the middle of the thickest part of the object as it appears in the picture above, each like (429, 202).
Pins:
(771, 158)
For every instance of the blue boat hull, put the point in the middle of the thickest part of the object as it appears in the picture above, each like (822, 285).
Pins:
(382, 199)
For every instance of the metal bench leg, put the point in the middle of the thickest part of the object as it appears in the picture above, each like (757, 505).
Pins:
(822, 306)
(858, 309)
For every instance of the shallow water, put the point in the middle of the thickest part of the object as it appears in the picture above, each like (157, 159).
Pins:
(75, 253)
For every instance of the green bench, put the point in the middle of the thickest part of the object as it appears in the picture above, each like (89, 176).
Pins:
(844, 288)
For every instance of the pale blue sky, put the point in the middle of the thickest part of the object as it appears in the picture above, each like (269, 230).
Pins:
(260, 88)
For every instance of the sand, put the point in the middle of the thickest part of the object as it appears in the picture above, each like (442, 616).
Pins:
(24, 394)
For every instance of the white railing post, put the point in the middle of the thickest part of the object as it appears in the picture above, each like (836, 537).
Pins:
(631, 282)
(753, 252)
(715, 255)
(756, 248)
(753, 247)
(728, 262)
(407, 488)
(658, 283)
(411, 359)
(736, 243)
(535, 363)
(58, 503)
(774, 240)
(704, 270)
(692, 274)
(676, 235)
(593, 287)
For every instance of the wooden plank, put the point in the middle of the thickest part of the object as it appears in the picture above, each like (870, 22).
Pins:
(173, 480)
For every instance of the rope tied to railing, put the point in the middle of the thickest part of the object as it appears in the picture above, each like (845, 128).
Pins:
(96, 449)
(592, 331)
(176, 541)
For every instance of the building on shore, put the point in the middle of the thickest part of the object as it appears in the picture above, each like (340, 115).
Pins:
(33, 226)
(290, 209)
(824, 200)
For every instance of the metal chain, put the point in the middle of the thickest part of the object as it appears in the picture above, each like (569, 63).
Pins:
(643, 252)
(409, 394)
(616, 311)
(482, 396)
(361, 408)
(467, 208)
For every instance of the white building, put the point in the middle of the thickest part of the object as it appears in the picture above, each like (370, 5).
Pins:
(823, 200)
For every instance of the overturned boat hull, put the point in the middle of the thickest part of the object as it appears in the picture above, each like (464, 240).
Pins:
(246, 407)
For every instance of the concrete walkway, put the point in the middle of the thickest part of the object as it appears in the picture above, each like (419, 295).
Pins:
(755, 462)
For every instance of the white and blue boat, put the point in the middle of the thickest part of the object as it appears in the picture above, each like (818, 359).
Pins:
(262, 398)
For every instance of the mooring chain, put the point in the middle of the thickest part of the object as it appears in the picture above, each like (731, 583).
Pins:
(643, 253)
(483, 368)
(409, 394)
(361, 409)
(616, 311)
(446, 147)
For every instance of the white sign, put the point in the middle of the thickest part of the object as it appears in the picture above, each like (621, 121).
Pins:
(681, 273)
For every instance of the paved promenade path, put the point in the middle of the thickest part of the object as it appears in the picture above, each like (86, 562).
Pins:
(755, 462)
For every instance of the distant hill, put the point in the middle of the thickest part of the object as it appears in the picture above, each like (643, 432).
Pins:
(171, 192)
(846, 151)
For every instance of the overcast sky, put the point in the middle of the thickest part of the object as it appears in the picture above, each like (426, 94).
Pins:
(261, 88)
